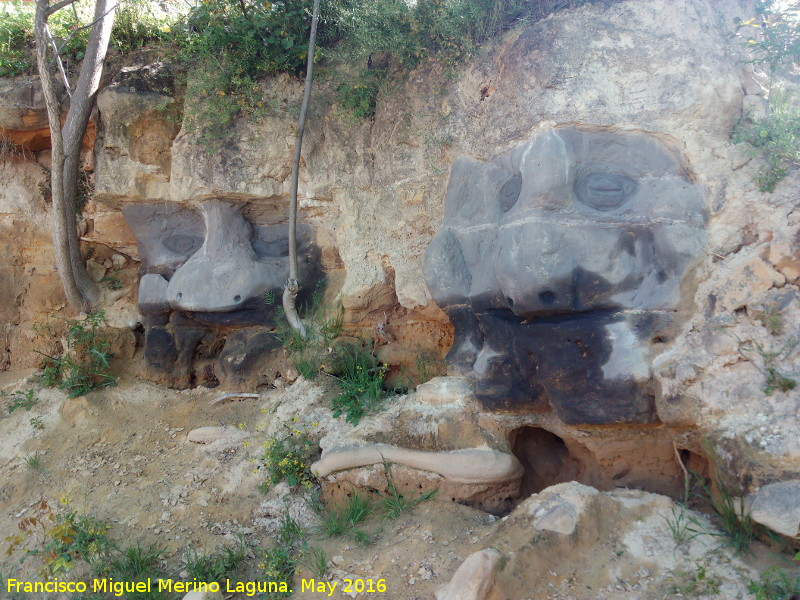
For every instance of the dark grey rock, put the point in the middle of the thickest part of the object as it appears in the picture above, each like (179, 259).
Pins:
(209, 269)
(559, 262)
(153, 295)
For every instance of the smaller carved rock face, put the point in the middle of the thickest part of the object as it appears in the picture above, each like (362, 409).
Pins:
(559, 263)
(204, 272)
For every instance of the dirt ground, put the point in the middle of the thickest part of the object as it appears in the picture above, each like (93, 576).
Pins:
(122, 455)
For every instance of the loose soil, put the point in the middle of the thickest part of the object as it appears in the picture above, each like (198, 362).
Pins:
(122, 455)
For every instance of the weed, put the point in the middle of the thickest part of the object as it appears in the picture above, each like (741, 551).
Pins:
(20, 399)
(278, 565)
(33, 461)
(315, 560)
(289, 530)
(112, 281)
(682, 525)
(700, 583)
(738, 527)
(360, 377)
(775, 584)
(775, 379)
(59, 538)
(37, 423)
(426, 366)
(772, 320)
(133, 564)
(394, 503)
(777, 43)
(83, 365)
(308, 354)
(364, 538)
(217, 566)
(289, 458)
(336, 521)
(130, 563)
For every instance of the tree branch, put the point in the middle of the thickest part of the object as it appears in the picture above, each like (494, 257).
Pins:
(292, 287)
(60, 64)
(77, 29)
(58, 6)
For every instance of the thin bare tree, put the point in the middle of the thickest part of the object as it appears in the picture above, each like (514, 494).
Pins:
(292, 285)
(67, 137)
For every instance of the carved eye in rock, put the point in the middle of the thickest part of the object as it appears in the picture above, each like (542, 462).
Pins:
(509, 193)
(182, 244)
(604, 191)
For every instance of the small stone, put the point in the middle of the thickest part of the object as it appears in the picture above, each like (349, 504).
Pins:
(118, 261)
(777, 506)
(473, 579)
(338, 559)
(95, 270)
(207, 435)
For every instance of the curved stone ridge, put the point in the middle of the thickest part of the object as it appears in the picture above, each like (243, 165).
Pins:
(561, 265)
(473, 465)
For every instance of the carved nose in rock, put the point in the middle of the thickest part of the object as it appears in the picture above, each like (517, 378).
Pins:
(224, 272)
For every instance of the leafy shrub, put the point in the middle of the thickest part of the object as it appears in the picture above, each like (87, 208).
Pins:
(83, 364)
(16, 36)
(777, 138)
(774, 38)
(360, 377)
(289, 458)
(411, 32)
(360, 95)
(140, 23)
(230, 47)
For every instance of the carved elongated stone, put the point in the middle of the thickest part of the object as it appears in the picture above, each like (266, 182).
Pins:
(473, 465)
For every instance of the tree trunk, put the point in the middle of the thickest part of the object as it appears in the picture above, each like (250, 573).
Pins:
(292, 285)
(80, 291)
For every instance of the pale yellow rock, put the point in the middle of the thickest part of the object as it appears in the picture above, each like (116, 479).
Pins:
(785, 257)
(207, 435)
(474, 578)
(474, 465)
(746, 279)
(444, 390)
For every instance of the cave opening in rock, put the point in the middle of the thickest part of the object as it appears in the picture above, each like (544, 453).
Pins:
(545, 457)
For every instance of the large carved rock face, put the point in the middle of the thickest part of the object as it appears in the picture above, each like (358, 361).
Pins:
(205, 273)
(561, 265)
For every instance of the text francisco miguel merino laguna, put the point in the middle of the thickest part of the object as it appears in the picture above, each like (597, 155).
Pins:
(249, 588)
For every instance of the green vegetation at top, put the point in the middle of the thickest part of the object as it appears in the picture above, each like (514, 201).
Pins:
(772, 40)
(228, 46)
(138, 23)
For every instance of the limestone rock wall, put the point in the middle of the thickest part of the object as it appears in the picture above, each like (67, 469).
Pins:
(374, 193)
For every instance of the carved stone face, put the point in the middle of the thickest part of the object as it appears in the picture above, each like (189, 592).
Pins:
(205, 271)
(561, 264)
